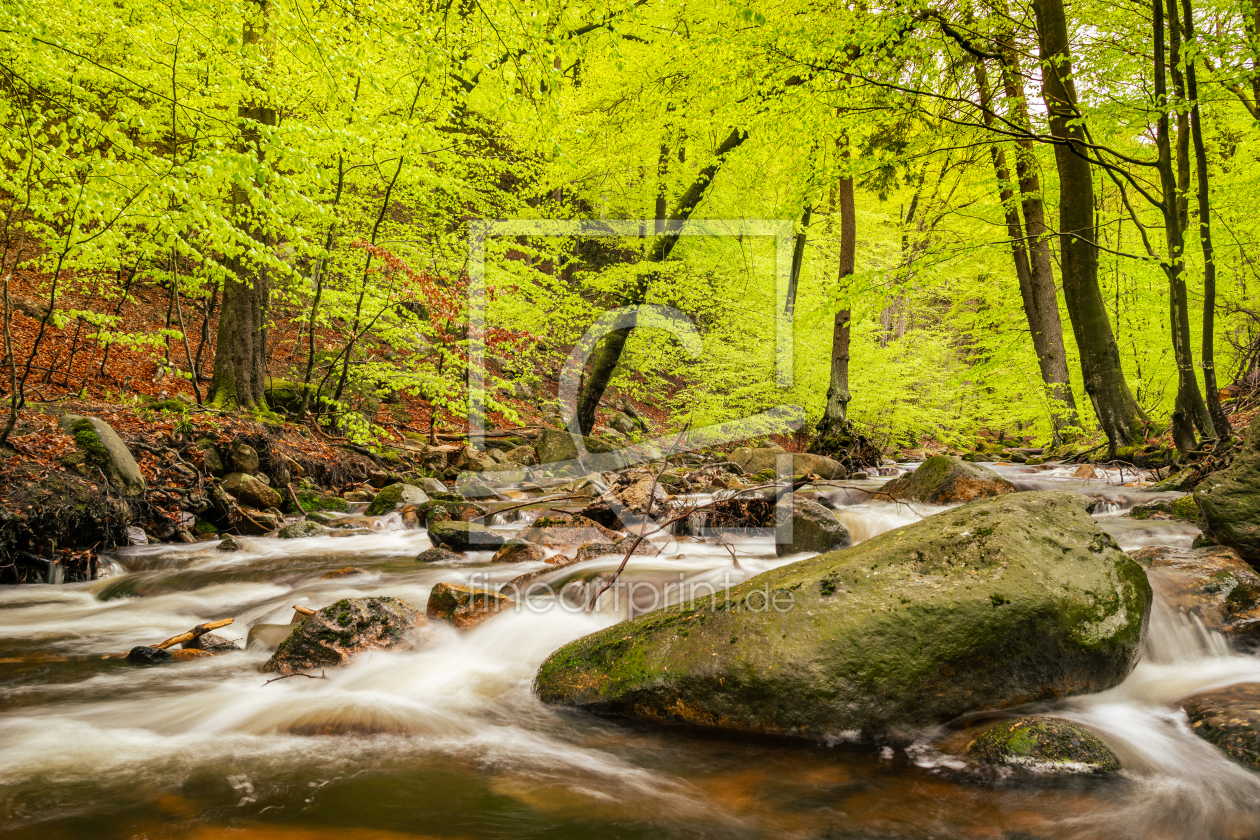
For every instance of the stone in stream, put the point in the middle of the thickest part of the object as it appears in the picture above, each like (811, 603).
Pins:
(1002, 602)
(394, 497)
(146, 655)
(517, 550)
(814, 529)
(1212, 583)
(102, 446)
(1229, 500)
(249, 491)
(556, 445)
(464, 536)
(444, 510)
(1044, 745)
(946, 480)
(230, 543)
(211, 643)
(594, 549)
(525, 456)
(344, 571)
(559, 531)
(1229, 718)
(301, 529)
(337, 633)
(465, 606)
(765, 459)
(431, 485)
(437, 554)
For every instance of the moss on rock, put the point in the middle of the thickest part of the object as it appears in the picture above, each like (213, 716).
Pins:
(1045, 745)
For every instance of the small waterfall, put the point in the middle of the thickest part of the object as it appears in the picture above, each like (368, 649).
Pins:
(1175, 636)
(56, 572)
(499, 519)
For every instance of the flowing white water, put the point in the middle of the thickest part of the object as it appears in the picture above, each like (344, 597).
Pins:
(448, 740)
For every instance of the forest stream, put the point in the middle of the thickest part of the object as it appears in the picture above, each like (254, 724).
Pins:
(448, 740)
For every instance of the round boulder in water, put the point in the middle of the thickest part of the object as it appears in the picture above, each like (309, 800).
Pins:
(990, 605)
(517, 550)
(464, 536)
(437, 554)
(395, 496)
(302, 529)
(814, 529)
(1045, 745)
(145, 655)
(947, 480)
(337, 633)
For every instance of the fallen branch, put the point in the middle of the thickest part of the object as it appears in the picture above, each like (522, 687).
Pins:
(322, 676)
(294, 497)
(199, 630)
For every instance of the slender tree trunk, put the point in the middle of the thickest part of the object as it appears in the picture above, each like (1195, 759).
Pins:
(798, 258)
(240, 358)
(608, 354)
(1121, 418)
(1219, 420)
(1043, 313)
(1190, 407)
(834, 432)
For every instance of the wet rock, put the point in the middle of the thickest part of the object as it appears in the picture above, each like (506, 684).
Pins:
(592, 550)
(470, 485)
(431, 485)
(243, 457)
(473, 460)
(344, 571)
(1229, 718)
(1183, 508)
(946, 480)
(250, 491)
(184, 654)
(465, 606)
(443, 510)
(145, 655)
(1212, 583)
(557, 445)
(211, 643)
(1230, 499)
(301, 530)
(437, 554)
(313, 500)
(1085, 471)
(517, 550)
(763, 459)
(337, 633)
(525, 456)
(464, 536)
(358, 496)
(230, 543)
(996, 604)
(103, 448)
(1045, 745)
(394, 497)
(814, 528)
(555, 531)
(322, 518)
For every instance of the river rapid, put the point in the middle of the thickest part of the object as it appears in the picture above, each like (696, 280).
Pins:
(447, 741)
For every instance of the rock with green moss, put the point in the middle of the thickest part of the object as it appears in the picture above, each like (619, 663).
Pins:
(301, 530)
(991, 605)
(946, 480)
(1229, 500)
(558, 445)
(103, 448)
(764, 461)
(313, 500)
(243, 457)
(1045, 745)
(814, 529)
(465, 606)
(250, 492)
(202, 528)
(444, 510)
(393, 497)
(337, 633)
(517, 550)
(464, 536)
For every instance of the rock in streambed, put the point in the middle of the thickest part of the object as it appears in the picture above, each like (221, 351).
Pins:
(988, 606)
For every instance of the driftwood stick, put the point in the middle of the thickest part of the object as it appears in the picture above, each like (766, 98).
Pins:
(294, 497)
(303, 610)
(199, 630)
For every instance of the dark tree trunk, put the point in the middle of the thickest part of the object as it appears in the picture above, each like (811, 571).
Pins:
(240, 360)
(798, 258)
(1041, 306)
(1121, 418)
(608, 354)
(834, 432)
(1219, 420)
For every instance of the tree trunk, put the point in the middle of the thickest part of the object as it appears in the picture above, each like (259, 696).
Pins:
(1219, 420)
(798, 258)
(1121, 418)
(240, 361)
(1043, 313)
(1189, 399)
(834, 432)
(608, 354)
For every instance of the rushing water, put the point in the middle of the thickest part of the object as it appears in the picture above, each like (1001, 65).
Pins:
(447, 741)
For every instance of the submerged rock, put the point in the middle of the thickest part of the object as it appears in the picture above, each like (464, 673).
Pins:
(592, 550)
(394, 497)
(814, 528)
(465, 606)
(301, 529)
(1229, 718)
(211, 643)
(1045, 745)
(559, 532)
(1229, 500)
(1212, 583)
(230, 543)
(992, 605)
(946, 480)
(464, 536)
(338, 633)
(437, 554)
(146, 655)
(344, 571)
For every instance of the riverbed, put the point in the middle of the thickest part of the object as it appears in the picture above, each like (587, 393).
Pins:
(447, 741)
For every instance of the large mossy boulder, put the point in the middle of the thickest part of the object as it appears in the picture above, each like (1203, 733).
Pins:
(103, 448)
(1229, 500)
(249, 491)
(1002, 602)
(393, 497)
(763, 459)
(337, 633)
(556, 445)
(464, 536)
(1045, 745)
(947, 480)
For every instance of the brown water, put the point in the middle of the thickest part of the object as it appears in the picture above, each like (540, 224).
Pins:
(95, 748)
